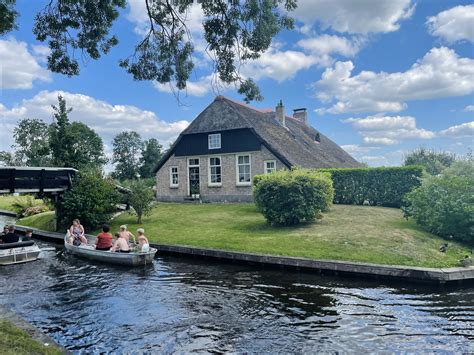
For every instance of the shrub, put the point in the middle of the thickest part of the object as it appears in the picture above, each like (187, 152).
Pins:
(434, 162)
(291, 197)
(141, 198)
(92, 199)
(375, 186)
(444, 204)
(28, 206)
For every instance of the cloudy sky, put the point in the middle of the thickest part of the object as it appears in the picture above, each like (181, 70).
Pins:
(379, 77)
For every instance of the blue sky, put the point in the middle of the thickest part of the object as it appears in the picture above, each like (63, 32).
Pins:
(378, 77)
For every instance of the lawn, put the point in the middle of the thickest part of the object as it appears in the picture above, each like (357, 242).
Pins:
(7, 202)
(43, 221)
(352, 233)
(16, 341)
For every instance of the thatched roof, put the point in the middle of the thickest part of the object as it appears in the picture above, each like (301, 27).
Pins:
(294, 145)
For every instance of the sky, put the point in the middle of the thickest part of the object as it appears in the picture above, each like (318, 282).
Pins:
(379, 77)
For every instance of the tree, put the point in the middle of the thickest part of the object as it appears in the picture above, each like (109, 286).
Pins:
(150, 157)
(141, 199)
(127, 147)
(32, 142)
(433, 162)
(235, 32)
(74, 145)
(92, 199)
(7, 159)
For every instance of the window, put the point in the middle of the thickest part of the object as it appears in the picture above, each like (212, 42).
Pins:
(215, 171)
(174, 179)
(214, 141)
(193, 162)
(243, 170)
(270, 166)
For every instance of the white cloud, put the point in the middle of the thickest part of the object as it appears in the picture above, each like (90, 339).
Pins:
(18, 68)
(106, 119)
(330, 44)
(362, 16)
(440, 73)
(41, 52)
(388, 130)
(469, 108)
(459, 131)
(455, 24)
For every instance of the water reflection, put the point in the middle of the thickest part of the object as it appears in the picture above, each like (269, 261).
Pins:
(182, 305)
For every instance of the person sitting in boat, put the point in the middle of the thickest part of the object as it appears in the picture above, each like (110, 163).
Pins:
(121, 244)
(11, 236)
(28, 235)
(77, 233)
(104, 239)
(126, 234)
(5, 230)
(143, 243)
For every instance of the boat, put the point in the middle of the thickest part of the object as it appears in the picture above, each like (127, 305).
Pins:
(19, 252)
(128, 259)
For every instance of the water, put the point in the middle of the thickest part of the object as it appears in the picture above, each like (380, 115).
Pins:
(183, 305)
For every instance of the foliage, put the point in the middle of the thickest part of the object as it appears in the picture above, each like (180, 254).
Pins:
(141, 199)
(127, 149)
(444, 204)
(291, 197)
(32, 143)
(92, 199)
(235, 32)
(15, 341)
(150, 157)
(7, 159)
(28, 206)
(374, 186)
(74, 145)
(433, 162)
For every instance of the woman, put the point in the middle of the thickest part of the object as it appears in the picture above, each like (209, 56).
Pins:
(121, 244)
(126, 234)
(104, 239)
(76, 232)
(142, 240)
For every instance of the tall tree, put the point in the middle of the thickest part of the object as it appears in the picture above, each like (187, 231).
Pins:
(32, 142)
(150, 157)
(235, 31)
(60, 140)
(127, 150)
(434, 162)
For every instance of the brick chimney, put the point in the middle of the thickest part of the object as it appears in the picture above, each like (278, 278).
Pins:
(301, 115)
(280, 113)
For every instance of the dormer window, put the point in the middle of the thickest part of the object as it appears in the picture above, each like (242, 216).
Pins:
(214, 141)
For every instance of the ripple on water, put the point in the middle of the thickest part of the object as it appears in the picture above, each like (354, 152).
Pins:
(179, 305)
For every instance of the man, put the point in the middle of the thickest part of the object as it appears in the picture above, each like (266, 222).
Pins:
(5, 230)
(11, 236)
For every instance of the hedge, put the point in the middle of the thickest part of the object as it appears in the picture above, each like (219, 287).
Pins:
(293, 196)
(385, 186)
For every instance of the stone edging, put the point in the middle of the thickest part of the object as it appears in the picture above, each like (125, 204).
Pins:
(404, 273)
(8, 213)
(35, 333)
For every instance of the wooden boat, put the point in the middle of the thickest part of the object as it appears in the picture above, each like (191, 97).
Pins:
(20, 252)
(128, 259)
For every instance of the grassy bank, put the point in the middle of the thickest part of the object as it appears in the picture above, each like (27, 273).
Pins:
(15, 341)
(44, 221)
(352, 233)
(7, 202)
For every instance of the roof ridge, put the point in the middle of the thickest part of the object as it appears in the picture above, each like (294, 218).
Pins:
(222, 97)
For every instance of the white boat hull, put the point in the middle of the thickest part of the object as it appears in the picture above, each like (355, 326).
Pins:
(19, 255)
(128, 259)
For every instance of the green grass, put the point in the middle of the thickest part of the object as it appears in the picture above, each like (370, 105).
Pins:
(15, 341)
(7, 201)
(44, 221)
(351, 233)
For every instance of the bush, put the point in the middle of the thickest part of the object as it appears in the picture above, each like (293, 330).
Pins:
(291, 197)
(444, 204)
(375, 186)
(434, 162)
(141, 198)
(28, 206)
(92, 199)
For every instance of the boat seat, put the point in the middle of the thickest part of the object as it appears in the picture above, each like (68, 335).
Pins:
(16, 245)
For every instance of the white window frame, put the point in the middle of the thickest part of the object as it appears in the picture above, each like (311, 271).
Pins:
(188, 165)
(172, 184)
(245, 183)
(265, 166)
(210, 140)
(209, 180)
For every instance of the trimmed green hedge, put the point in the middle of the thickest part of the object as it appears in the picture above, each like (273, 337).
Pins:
(375, 186)
(289, 197)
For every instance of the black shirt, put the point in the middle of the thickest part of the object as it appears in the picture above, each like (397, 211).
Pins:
(10, 238)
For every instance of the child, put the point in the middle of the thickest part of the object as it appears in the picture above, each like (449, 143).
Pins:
(142, 240)
(28, 235)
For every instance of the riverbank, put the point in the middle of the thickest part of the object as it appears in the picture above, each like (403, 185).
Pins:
(19, 337)
(364, 234)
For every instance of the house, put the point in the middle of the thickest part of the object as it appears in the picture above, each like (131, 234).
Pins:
(217, 156)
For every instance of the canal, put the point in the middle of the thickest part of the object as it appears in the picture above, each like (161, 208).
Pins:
(183, 305)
